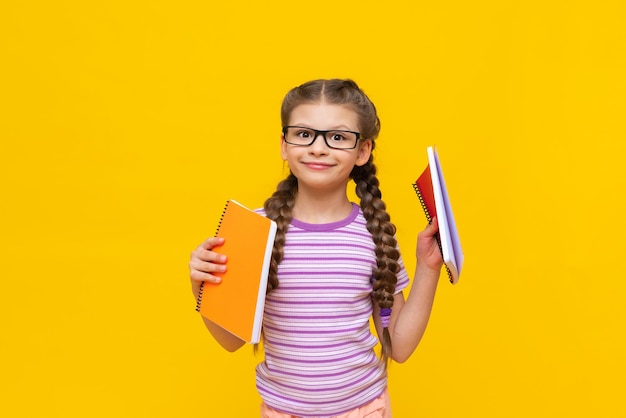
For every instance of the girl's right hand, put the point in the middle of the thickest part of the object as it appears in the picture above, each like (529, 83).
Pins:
(427, 251)
(204, 262)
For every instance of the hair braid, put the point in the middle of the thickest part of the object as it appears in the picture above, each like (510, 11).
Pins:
(279, 208)
(383, 233)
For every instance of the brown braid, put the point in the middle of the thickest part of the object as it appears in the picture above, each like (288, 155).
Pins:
(279, 208)
(383, 233)
(280, 205)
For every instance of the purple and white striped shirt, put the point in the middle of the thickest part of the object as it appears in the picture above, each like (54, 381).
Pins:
(319, 350)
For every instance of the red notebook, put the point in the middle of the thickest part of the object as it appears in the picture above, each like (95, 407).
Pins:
(237, 303)
(433, 195)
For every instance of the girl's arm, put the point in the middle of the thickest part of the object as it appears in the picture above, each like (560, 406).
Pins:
(202, 264)
(409, 318)
(227, 340)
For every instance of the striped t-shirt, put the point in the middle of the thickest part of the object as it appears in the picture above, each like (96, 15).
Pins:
(319, 350)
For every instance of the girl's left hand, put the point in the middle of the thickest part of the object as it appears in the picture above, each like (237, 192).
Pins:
(428, 252)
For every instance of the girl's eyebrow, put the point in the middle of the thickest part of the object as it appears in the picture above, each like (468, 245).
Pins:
(337, 128)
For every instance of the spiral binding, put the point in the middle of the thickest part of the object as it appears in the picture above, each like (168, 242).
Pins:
(217, 230)
(422, 202)
(430, 219)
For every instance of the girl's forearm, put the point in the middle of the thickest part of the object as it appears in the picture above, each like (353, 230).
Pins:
(415, 313)
(227, 340)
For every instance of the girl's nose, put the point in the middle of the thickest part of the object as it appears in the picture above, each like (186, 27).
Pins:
(319, 146)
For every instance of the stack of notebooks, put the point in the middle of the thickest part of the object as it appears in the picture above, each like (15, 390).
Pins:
(433, 195)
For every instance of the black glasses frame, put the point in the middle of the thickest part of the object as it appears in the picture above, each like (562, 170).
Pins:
(317, 133)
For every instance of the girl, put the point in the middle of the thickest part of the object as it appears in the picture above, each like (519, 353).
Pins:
(334, 265)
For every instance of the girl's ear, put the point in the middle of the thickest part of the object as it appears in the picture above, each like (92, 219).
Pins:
(283, 147)
(365, 150)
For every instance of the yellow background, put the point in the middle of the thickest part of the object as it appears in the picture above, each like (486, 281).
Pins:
(126, 125)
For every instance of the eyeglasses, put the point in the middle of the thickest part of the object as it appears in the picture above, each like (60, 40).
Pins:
(299, 135)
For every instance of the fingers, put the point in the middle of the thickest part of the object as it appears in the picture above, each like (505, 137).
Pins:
(433, 226)
(205, 271)
(204, 253)
(427, 238)
(212, 242)
(428, 252)
(431, 229)
(204, 263)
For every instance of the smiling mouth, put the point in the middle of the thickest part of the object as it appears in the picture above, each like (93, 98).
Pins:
(317, 165)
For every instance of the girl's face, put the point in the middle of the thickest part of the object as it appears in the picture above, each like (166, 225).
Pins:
(317, 165)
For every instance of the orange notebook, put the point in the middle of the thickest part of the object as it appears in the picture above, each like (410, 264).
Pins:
(236, 304)
(433, 195)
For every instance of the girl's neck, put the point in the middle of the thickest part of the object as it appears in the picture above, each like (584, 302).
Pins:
(321, 208)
